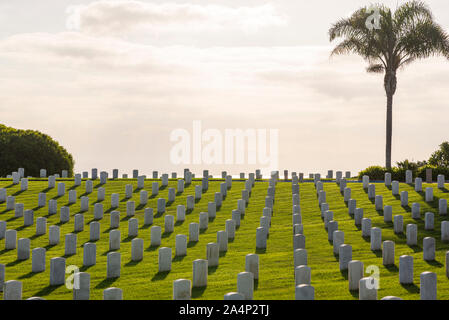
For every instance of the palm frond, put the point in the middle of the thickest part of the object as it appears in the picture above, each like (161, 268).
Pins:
(375, 68)
(424, 39)
(411, 11)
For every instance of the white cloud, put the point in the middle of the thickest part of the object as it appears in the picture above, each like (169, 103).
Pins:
(114, 18)
(113, 102)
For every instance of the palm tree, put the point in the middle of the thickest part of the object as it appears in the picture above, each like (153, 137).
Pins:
(408, 34)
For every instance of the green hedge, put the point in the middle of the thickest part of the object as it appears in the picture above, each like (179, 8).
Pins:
(435, 172)
(398, 174)
(32, 150)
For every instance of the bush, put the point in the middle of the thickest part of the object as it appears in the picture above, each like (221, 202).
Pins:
(377, 173)
(373, 172)
(435, 172)
(32, 150)
(398, 174)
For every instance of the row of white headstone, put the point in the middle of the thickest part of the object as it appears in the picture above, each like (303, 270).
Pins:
(12, 289)
(408, 179)
(20, 173)
(136, 244)
(303, 288)
(367, 287)
(182, 288)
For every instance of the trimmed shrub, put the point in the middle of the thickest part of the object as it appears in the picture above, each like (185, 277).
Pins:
(32, 150)
(398, 174)
(435, 172)
(373, 172)
(377, 173)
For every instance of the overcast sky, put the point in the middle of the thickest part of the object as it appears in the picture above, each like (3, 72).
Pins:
(111, 80)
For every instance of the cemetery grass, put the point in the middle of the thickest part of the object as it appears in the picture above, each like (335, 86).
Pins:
(141, 280)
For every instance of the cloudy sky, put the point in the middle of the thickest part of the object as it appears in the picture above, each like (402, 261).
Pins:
(112, 80)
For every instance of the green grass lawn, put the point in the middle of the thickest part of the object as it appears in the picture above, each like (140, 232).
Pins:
(141, 280)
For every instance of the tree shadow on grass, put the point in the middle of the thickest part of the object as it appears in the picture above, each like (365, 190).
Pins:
(46, 291)
(106, 283)
(198, 291)
(160, 276)
(412, 288)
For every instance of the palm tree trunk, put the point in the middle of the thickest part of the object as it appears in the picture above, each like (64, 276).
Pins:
(389, 130)
(390, 88)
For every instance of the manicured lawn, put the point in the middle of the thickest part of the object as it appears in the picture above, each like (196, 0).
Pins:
(141, 280)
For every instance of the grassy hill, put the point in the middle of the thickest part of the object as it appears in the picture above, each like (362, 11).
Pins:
(141, 280)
